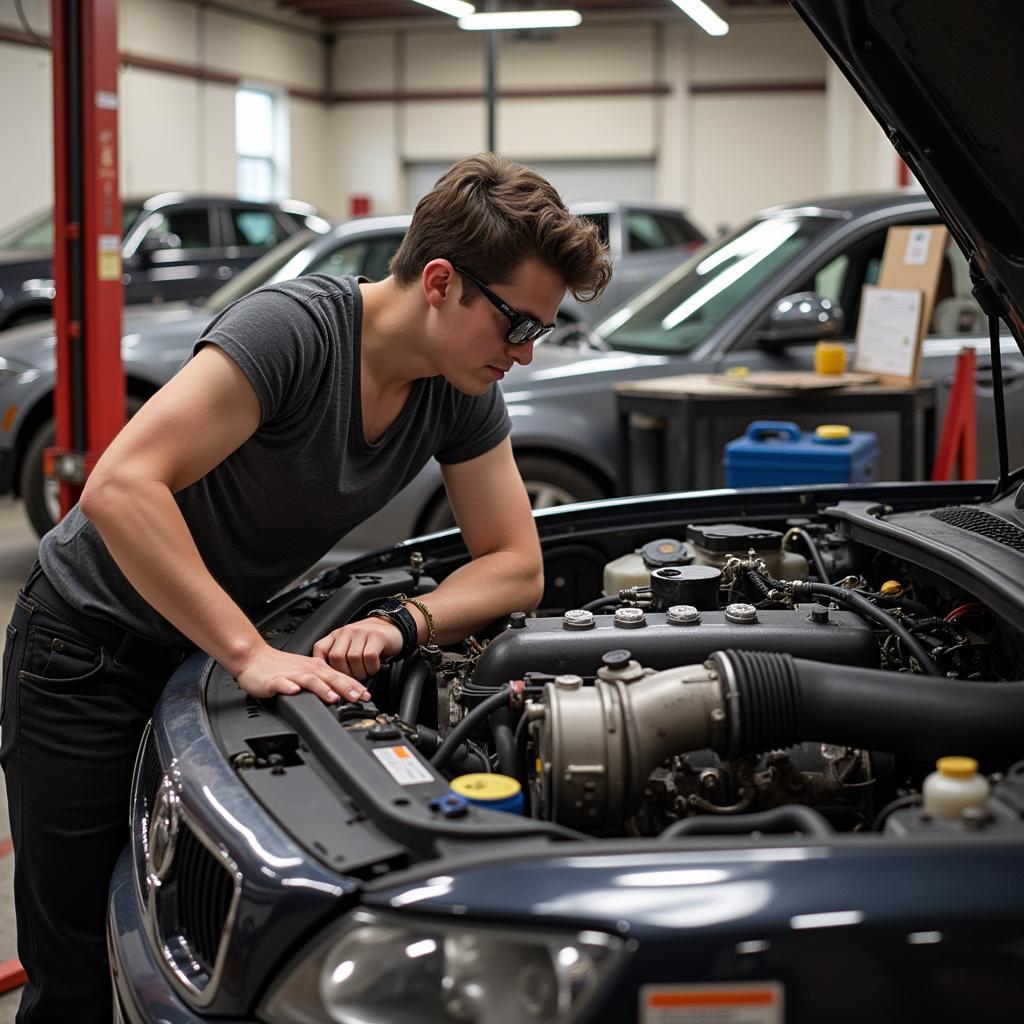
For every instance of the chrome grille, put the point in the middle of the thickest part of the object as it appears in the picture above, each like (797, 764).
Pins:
(984, 524)
(152, 771)
(203, 889)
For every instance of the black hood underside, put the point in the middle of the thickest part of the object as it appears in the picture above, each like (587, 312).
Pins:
(944, 79)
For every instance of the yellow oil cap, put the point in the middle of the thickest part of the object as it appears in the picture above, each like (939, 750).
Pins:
(957, 767)
(483, 787)
(832, 432)
(891, 588)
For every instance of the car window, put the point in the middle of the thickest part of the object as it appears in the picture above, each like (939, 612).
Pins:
(648, 232)
(376, 266)
(257, 228)
(680, 310)
(348, 258)
(35, 232)
(828, 282)
(956, 313)
(190, 224)
(843, 279)
(263, 271)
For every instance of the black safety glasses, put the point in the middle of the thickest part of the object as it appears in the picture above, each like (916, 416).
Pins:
(522, 328)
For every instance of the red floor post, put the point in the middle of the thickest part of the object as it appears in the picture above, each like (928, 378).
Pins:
(958, 443)
(90, 394)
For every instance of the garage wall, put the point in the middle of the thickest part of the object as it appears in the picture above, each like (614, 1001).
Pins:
(177, 131)
(721, 126)
(744, 123)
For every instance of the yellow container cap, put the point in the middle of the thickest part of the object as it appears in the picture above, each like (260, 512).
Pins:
(957, 767)
(485, 786)
(832, 431)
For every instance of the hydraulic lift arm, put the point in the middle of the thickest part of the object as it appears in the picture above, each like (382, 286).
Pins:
(89, 403)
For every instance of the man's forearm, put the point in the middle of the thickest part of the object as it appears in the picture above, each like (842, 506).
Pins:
(146, 534)
(480, 592)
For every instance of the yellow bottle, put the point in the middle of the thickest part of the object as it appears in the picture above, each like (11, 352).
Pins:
(830, 357)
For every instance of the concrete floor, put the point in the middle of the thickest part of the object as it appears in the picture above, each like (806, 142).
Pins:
(17, 552)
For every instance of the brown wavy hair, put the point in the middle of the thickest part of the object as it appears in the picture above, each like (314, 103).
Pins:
(489, 214)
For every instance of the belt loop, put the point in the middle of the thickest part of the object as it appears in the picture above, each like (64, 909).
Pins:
(34, 573)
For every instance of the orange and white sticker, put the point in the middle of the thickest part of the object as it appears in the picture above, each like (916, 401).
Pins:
(742, 1003)
(402, 765)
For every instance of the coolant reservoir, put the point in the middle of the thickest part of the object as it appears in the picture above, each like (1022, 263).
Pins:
(954, 787)
(634, 569)
(714, 545)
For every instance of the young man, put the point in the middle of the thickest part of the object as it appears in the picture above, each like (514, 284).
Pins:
(305, 407)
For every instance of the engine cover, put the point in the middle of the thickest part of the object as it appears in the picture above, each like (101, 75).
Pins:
(549, 645)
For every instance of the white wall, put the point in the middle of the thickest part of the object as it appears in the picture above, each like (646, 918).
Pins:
(721, 154)
(177, 132)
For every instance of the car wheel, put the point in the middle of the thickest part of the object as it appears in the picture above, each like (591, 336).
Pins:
(40, 494)
(549, 482)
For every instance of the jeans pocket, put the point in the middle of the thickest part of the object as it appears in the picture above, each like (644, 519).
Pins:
(7, 684)
(60, 660)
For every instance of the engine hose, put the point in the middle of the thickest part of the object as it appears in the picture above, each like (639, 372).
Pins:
(812, 551)
(791, 818)
(467, 725)
(862, 605)
(504, 741)
(775, 701)
(858, 603)
(413, 679)
(601, 602)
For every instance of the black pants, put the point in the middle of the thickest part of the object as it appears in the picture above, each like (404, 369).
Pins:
(71, 715)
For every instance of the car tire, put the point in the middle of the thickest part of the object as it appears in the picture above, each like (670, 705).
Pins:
(40, 498)
(549, 480)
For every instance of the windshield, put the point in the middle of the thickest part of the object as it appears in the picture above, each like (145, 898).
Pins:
(36, 232)
(262, 272)
(680, 310)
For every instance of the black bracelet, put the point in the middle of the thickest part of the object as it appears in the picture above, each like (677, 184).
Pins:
(402, 618)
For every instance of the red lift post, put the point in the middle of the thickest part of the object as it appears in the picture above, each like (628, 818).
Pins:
(90, 394)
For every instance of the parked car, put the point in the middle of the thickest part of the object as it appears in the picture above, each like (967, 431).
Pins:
(175, 246)
(644, 239)
(726, 774)
(563, 405)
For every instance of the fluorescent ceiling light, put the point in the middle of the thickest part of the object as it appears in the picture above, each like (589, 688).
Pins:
(704, 16)
(495, 20)
(456, 8)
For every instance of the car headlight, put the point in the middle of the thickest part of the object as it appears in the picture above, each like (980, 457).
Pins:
(385, 967)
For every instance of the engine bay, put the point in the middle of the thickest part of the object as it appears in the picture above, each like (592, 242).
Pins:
(796, 676)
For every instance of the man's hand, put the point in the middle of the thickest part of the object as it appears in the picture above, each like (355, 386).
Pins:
(270, 671)
(358, 648)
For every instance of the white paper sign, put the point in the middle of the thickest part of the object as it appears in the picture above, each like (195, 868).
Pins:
(917, 247)
(887, 335)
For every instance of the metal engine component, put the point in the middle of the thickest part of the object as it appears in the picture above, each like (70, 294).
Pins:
(599, 744)
(544, 645)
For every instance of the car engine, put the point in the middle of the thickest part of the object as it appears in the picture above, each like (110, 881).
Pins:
(730, 678)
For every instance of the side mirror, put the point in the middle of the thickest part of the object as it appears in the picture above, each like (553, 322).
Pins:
(801, 317)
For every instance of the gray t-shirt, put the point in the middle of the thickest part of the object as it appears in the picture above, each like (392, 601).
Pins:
(306, 476)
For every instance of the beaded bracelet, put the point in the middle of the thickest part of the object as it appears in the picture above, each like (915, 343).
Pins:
(431, 632)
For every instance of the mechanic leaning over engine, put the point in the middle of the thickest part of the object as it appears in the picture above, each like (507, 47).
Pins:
(304, 408)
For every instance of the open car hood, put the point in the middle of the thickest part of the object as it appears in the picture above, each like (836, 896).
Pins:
(944, 81)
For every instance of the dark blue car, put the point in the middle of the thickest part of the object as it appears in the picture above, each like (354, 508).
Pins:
(758, 757)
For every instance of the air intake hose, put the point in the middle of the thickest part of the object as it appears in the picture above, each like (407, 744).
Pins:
(775, 701)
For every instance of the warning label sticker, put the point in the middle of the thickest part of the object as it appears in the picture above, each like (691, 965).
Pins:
(402, 765)
(743, 1003)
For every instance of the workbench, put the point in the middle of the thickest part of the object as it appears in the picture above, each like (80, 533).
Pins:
(684, 408)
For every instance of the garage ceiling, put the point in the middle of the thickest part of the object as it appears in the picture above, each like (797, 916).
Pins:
(333, 11)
